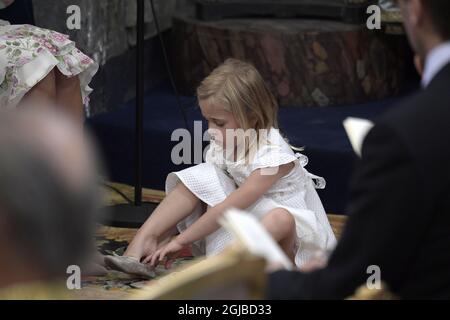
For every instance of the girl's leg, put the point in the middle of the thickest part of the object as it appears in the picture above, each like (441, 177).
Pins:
(177, 205)
(68, 96)
(281, 226)
(43, 94)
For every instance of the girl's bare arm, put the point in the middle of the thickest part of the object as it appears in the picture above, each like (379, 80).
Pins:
(247, 194)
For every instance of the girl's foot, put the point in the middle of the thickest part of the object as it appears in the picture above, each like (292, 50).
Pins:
(95, 269)
(95, 265)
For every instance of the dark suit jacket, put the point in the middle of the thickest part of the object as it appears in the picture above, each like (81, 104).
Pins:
(399, 216)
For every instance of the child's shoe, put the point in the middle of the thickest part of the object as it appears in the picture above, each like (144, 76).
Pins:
(129, 265)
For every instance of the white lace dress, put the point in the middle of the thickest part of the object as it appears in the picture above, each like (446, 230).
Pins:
(215, 179)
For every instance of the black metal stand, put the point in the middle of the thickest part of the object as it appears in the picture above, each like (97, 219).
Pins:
(133, 215)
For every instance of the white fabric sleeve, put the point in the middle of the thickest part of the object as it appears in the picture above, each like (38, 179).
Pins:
(272, 156)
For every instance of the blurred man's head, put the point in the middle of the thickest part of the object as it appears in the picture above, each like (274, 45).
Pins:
(48, 196)
(427, 23)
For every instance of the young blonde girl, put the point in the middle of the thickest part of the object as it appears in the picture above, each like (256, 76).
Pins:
(234, 98)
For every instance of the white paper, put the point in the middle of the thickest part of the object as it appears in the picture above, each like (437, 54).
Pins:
(357, 129)
(250, 232)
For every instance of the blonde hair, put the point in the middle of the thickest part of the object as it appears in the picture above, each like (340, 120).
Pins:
(239, 88)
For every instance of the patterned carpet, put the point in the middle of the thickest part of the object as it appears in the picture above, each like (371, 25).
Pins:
(110, 240)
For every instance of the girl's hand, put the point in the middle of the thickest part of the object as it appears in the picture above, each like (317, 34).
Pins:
(170, 251)
(141, 247)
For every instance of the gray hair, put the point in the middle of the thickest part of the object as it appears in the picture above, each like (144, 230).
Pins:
(50, 223)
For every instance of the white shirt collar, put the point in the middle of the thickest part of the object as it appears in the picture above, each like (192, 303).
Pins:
(437, 59)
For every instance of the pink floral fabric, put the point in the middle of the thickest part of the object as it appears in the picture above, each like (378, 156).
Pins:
(22, 44)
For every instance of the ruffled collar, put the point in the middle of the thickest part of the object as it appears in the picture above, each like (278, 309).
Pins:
(252, 148)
